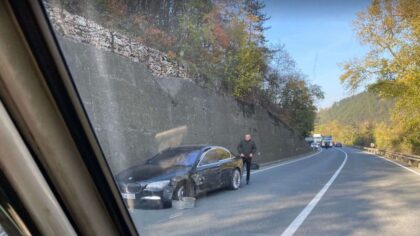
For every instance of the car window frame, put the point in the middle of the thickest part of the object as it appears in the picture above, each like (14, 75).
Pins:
(204, 156)
(215, 148)
(228, 152)
(41, 42)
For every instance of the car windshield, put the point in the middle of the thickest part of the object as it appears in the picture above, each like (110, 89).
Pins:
(175, 157)
(276, 82)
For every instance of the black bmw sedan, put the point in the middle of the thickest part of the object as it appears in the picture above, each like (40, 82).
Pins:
(180, 172)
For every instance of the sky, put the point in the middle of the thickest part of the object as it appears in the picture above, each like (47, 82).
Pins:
(318, 35)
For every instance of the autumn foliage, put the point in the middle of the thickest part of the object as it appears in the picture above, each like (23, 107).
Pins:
(391, 68)
(221, 43)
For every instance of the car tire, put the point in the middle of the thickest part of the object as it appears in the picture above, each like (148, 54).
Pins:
(182, 190)
(235, 179)
(166, 203)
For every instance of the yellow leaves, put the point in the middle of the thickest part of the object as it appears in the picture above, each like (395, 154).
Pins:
(392, 136)
(171, 54)
(386, 137)
(409, 78)
(344, 133)
(248, 71)
(392, 29)
(355, 73)
(375, 8)
(253, 18)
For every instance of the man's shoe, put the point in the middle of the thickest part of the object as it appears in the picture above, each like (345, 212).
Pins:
(247, 182)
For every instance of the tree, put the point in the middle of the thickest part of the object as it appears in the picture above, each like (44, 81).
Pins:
(222, 45)
(391, 28)
(298, 102)
(249, 71)
(255, 20)
(282, 68)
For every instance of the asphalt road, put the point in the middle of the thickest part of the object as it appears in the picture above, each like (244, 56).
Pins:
(339, 191)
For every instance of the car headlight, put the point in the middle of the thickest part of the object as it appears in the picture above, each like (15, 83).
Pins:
(158, 185)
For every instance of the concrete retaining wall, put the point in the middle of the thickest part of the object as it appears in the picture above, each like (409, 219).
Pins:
(135, 113)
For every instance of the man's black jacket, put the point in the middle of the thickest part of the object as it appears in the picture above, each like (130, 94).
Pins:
(247, 147)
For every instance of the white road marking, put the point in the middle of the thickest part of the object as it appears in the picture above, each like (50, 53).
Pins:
(396, 163)
(175, 215)
(297, 222)
(284, 163)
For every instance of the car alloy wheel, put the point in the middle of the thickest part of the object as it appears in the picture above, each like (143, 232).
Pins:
(179, 192)
(236, 179)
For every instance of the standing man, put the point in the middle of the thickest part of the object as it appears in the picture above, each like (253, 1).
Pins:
(247, 150)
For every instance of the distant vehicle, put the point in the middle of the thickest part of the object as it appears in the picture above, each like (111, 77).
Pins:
(338, 144)
(179, 172)
(327, 141)
(317, 138)
(314, 145)
(326, 144)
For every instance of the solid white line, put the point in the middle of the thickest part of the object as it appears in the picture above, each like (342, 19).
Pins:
(175, 215)
(396, 163)
(284, 163)
(297, 222)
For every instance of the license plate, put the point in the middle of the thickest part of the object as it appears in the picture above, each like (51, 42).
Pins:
(129, 195)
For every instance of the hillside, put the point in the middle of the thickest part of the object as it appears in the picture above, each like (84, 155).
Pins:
(360, 108)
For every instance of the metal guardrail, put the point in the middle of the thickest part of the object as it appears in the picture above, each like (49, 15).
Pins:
(411, 160)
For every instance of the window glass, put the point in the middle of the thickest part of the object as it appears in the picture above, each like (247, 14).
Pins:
(175, 156)
(210, 157)
(223, 154)
(164, 81)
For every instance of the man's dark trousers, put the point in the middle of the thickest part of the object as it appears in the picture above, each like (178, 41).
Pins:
(247, 148)
(247, 163)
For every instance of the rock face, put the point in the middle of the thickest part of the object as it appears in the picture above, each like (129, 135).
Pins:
(86, 31)
(135, 113)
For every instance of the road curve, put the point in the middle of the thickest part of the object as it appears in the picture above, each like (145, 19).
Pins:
(335, 192)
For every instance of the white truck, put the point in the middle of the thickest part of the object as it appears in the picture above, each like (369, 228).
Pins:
(327, 141)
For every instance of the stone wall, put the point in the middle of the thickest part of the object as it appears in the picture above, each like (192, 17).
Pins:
(87, 31)
(135, 113)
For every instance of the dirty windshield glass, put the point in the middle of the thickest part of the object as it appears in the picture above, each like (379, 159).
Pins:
(252, 117)
(177, 156)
